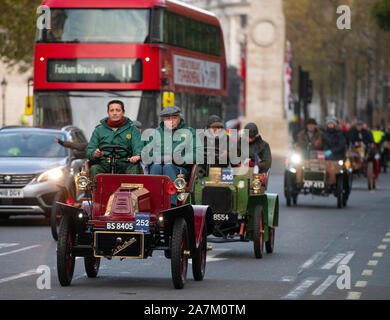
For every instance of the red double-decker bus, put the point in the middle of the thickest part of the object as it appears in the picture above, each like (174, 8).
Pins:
(147, 53)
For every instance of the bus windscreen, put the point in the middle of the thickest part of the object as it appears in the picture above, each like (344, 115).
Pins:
(96, 26)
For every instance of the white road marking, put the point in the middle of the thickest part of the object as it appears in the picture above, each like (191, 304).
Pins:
(360, 284)
(347, 258)
(367, 272)
(317, 256)
(331, 263)
(323, 286)
(354, 295)
(20, 275)
(19, 250)
(300, 289)
(372, 262)
(377, 254)
(7, 245)
(288, 279)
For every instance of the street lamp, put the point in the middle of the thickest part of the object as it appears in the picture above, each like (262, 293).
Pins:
(3, 87)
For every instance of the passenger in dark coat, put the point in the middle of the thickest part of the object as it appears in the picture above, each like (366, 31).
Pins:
(309, 139)
(358, 134)
(215, 142)
(258, 146)
(334, 142)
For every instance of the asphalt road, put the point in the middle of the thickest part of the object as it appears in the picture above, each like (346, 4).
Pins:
(321, 252)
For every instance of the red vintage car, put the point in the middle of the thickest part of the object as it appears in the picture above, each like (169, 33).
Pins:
(130, 216)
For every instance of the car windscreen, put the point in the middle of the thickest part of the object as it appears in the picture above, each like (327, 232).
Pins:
(31, 144)
(96, 26)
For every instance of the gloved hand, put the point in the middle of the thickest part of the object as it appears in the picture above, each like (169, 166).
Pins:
(263, 178)
(328, 153)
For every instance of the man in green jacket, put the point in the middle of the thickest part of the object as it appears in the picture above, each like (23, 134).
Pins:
(174, 147)
(116, 129)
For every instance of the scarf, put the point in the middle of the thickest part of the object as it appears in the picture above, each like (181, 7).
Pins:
(115, 124)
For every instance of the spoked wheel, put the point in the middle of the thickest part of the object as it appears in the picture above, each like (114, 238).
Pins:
(199, 259)
(55, 216)
(91, 265)
(179, 253)
(340, 192)
(65, 257)
(370, 175)
(258, 232)
(269, 245)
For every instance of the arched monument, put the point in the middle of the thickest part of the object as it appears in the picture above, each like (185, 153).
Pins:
(265, 73)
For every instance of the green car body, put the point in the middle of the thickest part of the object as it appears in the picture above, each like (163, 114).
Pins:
(235, 205)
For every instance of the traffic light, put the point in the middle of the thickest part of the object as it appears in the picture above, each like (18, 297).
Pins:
(309, 93)
(305, 87)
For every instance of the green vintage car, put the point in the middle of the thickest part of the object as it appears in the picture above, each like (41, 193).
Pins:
(242, 211)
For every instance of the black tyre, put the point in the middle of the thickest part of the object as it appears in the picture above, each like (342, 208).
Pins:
(370, 175)
(288, 189)
(269, 245)
(55, 217)
(200, 257)
(91, 265)
(258, 232)
(65, 257)
(340, 191)
(179, 260)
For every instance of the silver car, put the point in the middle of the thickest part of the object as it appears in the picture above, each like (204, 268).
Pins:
(33, 166)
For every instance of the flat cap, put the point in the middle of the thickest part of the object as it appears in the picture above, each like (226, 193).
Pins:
(215, 122)
(170, 111)
(311, 121)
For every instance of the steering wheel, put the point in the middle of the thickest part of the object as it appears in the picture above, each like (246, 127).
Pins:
(113, 156)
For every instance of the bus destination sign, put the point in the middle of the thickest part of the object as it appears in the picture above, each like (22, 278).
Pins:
(94, 70)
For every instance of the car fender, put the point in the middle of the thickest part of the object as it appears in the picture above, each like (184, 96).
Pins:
(195, 216)
(270, 204)
(77, 216)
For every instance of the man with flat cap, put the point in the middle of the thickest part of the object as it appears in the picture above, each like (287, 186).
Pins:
(309, 139)
(174, 147)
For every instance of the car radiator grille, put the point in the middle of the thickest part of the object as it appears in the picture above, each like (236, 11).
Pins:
(220, 199)
(314, 175)
(16, 178)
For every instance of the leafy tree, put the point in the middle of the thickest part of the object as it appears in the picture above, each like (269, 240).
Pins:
(17, 32)
(381, 14)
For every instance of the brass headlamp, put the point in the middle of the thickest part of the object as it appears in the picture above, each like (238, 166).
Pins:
(256, 183)
(82, 180)
(180, 185)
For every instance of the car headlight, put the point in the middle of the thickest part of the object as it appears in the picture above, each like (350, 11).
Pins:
(52, 174)
(181, 196)
(341, 162)
(296, 158)
(180, 183)
(82, 181)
